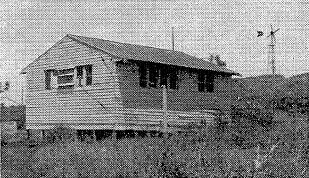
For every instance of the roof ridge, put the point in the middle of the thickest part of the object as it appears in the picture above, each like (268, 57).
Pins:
(126, 43)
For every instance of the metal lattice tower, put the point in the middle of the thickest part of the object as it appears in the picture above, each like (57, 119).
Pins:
(271, 52)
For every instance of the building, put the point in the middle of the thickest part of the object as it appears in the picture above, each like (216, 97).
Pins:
(94, 84)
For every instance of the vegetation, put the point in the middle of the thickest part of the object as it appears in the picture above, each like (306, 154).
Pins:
(241, 149)
(13, 113)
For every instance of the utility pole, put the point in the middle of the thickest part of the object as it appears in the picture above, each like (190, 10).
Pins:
(1, 100)
(173, 45)
(22, 96)
(307, 144)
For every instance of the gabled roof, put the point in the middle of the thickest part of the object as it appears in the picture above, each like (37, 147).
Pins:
(149, 54)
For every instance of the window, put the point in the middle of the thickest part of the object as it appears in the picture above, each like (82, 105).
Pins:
(64, 79)
(88, 69)
(48, 79)
(79, 70)
(201, 81)
(210, 83)
(79, 75)
(153, 76)
(143, 76)
(174, 79)
(163, 76)
(150, 75)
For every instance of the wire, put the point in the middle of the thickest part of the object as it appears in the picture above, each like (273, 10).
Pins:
(93, 97)
(89, 93)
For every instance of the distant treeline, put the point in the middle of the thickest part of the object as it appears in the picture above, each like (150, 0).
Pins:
(13, 113)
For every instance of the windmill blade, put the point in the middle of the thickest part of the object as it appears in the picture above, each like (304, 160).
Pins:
(276, 30)
(271, 27)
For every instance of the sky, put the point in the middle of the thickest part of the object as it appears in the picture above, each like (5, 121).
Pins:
(201, 27)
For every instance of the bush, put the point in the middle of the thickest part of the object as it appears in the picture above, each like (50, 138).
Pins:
(61, 133)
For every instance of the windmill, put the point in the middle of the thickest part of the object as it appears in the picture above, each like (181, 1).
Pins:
(271, 52)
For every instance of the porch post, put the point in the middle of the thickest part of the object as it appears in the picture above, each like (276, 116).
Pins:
(164, 108)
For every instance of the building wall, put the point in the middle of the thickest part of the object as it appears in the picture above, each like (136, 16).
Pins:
(79, 108)
(186, 98)
(144, 105)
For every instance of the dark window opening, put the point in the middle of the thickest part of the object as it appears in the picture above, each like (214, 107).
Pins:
(143, 75)
(79, 70)
(174, 79)
(48, 79)
(66, 87)
(63, 79)
(210, 83)
(163, 76)
(79, 75)
(201, 82)
(88, 69)
(153, 76)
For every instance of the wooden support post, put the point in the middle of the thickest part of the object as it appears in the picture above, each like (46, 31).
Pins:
(164, 108)
(43, 135)
(114, 135)
(75, 135)
(148, 134)
(165, 133)
(82, 135)
(136, 134)
(28, 134)
(94, 136)
(307, 140)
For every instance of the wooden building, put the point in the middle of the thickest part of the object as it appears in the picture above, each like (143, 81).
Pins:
(93, 84)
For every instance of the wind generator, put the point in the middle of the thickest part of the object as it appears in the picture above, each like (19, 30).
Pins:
(271, 52)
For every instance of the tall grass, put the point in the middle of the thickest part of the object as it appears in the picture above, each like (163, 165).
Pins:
(241, 149)
(205, 152)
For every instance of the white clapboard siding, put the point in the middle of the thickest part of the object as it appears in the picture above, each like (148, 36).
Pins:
(174, 118)
(77, 106)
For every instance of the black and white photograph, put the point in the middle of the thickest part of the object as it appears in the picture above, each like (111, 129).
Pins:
(154, 88)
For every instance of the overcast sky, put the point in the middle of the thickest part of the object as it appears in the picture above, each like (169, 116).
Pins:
(227, 28)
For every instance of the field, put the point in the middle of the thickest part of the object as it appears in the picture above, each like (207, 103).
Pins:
(242, 150)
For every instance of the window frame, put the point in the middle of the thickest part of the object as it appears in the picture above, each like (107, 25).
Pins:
(143, 75)
(153, 76)
(62, 73)
(71, 81)
(88, 71)
(209, 84)
(48, 75)
(201, 81)
(163, 76)
(174, 78)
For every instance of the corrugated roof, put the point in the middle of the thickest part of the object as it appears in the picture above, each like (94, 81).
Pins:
(146, 53)
(150, 54)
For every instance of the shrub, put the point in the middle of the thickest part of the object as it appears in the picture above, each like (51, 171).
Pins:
(60, 133)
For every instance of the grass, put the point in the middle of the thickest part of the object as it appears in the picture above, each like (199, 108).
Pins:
(208, 152)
